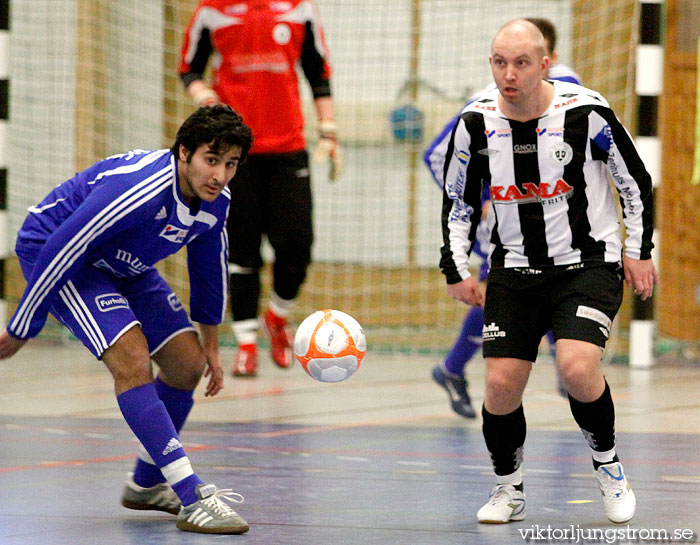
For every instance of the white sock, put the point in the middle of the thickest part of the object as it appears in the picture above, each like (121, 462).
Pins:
(281, 307)
(245, 331)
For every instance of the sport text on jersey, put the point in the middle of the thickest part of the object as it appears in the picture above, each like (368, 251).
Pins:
(531, 192)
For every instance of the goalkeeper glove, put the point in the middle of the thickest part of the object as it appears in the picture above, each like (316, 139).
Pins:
(328, 148)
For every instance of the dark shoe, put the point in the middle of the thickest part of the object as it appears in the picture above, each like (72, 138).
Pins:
(457, 390)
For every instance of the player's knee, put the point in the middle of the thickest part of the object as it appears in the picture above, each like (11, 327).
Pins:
(500, 386)
(577, 366)
(191, 375)
(186, 373)
(130, 366)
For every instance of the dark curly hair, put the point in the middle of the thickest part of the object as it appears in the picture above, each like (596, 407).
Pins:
(219, 126)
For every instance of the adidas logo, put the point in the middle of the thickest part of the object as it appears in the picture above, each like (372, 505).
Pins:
(172, 446)
(162, 214)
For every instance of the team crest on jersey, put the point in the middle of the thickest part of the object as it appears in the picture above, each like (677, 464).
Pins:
(174, 234)
(282, 33)
(561, 153)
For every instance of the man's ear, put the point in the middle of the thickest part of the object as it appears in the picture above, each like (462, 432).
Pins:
(182, 153)
(545, 63)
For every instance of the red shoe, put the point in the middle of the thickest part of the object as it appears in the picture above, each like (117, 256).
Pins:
(281, 338)
(246, 363)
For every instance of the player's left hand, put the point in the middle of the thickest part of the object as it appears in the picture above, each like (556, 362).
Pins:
(329, 149)
(640, 275)
(216, 375)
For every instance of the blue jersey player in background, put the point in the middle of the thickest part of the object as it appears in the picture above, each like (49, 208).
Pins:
(88, 252)
(450, 373)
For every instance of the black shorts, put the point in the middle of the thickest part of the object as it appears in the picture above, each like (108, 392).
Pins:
(271, 195)
(523, 304)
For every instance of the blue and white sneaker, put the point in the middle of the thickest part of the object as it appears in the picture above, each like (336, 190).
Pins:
(618, 498)
(506, 503)
(456, 388)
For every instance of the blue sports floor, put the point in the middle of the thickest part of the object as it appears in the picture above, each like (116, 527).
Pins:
(378, 459)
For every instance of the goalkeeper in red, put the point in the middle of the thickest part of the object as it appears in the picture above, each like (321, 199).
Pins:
(545, 150)
(255, 49)
(88, 251)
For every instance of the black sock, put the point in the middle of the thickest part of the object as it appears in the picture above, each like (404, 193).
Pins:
(597, 421)
(505, 437)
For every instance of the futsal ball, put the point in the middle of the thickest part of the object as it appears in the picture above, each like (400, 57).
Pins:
(330, 345)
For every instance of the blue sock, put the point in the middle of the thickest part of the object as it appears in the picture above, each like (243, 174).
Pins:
(148, 418)
(185, 489)
(178, 403)
(550, 340)
(468, 342)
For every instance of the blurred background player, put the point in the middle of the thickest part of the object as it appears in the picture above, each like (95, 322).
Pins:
(88, 251)
(450, 373)
(256, 46)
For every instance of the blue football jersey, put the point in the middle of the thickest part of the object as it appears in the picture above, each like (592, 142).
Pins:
(123, 215)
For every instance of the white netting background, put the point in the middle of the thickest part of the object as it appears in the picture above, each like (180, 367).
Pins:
(92, 78)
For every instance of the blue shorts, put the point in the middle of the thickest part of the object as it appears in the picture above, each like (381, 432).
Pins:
(98, 308)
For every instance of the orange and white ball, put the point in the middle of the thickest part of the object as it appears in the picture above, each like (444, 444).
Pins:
(330, 345)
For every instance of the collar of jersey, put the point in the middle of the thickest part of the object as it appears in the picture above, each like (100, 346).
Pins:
(183, 210)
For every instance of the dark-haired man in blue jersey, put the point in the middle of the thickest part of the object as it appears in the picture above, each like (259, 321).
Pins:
(88, 252)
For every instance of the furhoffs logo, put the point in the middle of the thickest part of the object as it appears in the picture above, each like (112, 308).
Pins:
(111, 301)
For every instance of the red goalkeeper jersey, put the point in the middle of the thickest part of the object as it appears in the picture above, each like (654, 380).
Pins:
(255, 47)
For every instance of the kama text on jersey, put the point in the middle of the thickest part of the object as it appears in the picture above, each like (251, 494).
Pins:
(548, 181)
(122, 215)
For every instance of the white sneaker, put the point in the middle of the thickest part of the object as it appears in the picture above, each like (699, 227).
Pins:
(210, 515)
(160, 497)
(618, 497)
(505, 503)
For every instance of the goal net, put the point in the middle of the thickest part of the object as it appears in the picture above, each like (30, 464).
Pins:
(91, 78)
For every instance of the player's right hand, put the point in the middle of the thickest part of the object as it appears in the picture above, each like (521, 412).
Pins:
(9, 345)
(328, 149)
(216, 376)
(467, 291)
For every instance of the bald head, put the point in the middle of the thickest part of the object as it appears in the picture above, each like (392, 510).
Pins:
(519, 62)
(520, 32)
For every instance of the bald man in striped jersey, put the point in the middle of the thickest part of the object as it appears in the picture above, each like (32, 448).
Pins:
(545, 150)
(88, 252)
(451, 372)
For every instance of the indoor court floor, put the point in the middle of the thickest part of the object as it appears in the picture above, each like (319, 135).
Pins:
(378, 459)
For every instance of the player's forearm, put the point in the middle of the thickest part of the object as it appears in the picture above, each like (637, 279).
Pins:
(210, 338)
(324, 109)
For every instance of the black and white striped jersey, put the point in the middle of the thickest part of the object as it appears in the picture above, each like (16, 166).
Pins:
(548, 178)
